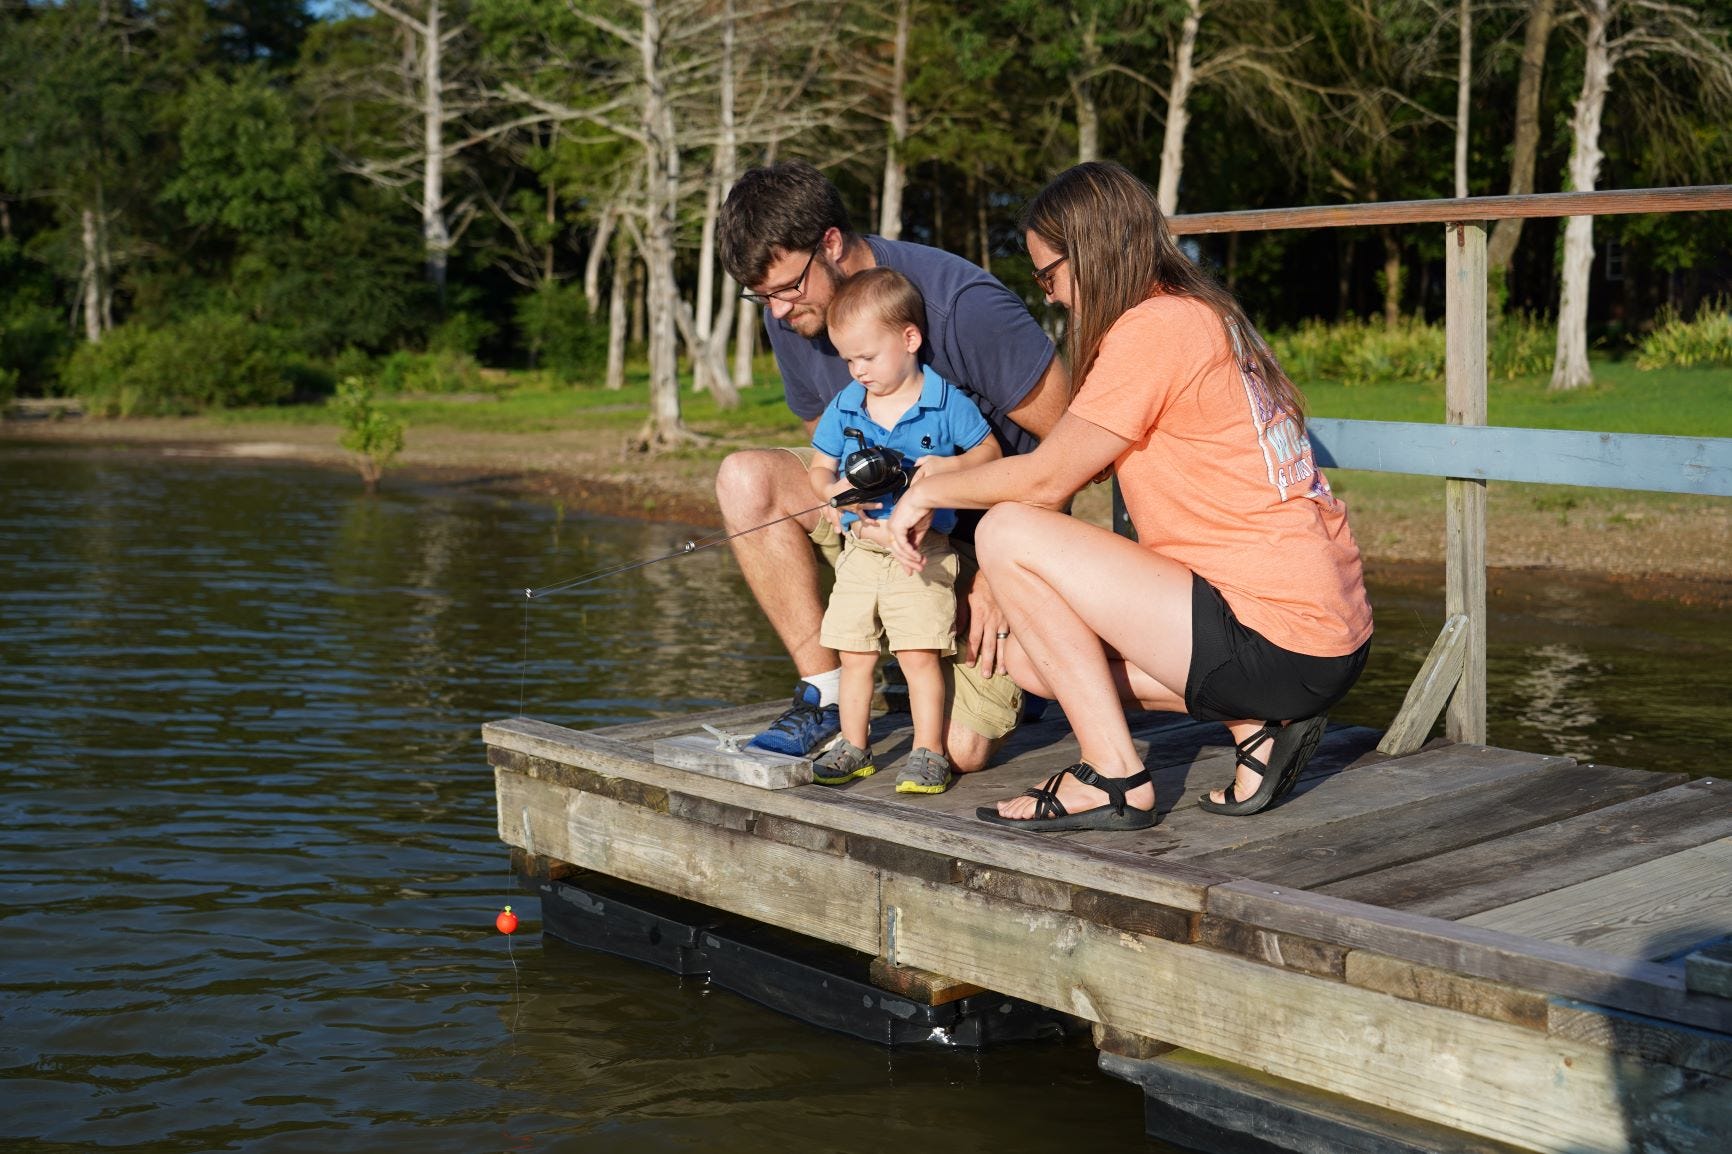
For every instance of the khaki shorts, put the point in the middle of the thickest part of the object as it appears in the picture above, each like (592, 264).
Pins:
(875, 597)
(990, 707)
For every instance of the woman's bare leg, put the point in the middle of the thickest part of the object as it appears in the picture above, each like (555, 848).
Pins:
(1067, 588)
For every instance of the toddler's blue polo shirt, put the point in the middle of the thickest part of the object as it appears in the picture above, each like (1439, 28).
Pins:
(944, 422)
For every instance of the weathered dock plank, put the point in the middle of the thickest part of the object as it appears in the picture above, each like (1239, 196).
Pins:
(810, 893)
(1641, 987)
(1653, 910)
(1377, 786)
(1111, 871)
(1429, 826)
(1507, 869)
(1487, 1077)
(1465, 1023)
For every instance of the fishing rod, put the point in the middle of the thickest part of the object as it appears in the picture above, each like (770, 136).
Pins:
(871, 472)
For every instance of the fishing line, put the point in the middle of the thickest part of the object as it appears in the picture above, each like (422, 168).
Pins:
(694, 546)
(523, 667)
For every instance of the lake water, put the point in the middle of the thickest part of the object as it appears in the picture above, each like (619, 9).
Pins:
(249, 858)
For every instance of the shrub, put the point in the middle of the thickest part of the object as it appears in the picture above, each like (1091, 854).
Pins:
(556, 325)
(1679, 344)
(461, 332)
(373, 436)
(212, 360)
(1522, 345)
(33, 339)
(435, 372)
(1359, 352)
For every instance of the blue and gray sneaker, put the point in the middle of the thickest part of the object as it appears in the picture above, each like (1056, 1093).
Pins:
(804, 727)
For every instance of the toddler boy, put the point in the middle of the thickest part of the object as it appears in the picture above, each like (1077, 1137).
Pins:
(877, 324)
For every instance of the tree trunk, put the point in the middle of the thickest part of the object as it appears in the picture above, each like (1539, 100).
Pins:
(983, 223)
(1344, 279)
(436, 236)
(592, 264)
(704, 317)
(715, 342)
(1500, 249)
(663, 426)
(1391, 279)
(1463, 89)
(552, 218)
(617, 306)
(745, 344)
(1570, 365)
(1178, 115)
(1088, 119)
(895, 162)
(638, 337)
(91, 279)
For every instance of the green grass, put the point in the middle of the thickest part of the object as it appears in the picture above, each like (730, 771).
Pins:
(1679, 402)
(525, 402)
(1623, 399)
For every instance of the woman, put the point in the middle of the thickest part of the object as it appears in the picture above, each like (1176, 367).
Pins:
(1243, 602)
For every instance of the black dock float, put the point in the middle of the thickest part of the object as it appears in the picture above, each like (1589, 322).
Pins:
(819, 984)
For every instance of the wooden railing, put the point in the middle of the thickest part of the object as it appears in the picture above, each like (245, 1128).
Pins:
(1466, 451)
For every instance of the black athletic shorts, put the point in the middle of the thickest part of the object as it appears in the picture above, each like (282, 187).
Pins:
(1237, 674)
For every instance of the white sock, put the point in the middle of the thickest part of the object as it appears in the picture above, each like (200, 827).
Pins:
(829, 685)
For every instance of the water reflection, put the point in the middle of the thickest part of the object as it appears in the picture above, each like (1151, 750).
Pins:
(250, 861)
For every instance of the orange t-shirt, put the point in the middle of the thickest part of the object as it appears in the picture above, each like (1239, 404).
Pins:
(1221, 482)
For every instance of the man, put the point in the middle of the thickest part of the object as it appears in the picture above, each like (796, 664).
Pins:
(785, 235)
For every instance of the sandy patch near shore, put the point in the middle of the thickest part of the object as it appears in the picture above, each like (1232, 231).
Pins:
(1661, 545)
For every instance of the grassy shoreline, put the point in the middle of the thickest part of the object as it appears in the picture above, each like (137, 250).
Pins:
(568, 444)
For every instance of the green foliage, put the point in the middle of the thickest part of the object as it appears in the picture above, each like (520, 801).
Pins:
(353, 278)
(212, 360)
(243, 166)
(1522, 345)
(375, 437)
(33, 336)
(462, 332)
(564, 339)
(1361, 352)
(1680, 344)
(435, 372)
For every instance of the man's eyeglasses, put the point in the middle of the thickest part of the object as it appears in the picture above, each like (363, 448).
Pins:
(787, 293)
(1043, 276)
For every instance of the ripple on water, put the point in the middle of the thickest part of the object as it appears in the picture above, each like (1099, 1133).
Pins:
(251, 860)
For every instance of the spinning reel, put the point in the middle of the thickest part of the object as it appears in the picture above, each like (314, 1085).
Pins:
(872, 471)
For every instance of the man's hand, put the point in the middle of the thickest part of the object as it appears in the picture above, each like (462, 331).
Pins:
(979, 621)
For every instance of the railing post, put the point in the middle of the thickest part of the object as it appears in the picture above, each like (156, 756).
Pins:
(1464, 499)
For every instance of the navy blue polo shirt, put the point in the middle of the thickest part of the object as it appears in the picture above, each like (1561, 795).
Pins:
(979, 336)
(942, 423)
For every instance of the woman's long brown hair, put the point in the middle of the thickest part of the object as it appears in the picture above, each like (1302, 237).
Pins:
(1110, 229)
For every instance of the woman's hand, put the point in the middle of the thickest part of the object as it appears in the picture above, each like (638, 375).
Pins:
(907, 527)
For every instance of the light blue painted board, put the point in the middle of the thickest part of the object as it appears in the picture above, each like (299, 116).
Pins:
(1547, 456)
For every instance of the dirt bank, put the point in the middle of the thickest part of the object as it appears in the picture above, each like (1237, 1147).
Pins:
(1657, 544)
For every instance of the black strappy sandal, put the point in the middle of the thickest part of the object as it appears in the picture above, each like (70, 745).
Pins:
(1050, 813)
(1295, 742)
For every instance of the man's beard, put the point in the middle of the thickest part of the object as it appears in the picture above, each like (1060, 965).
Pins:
(810, 320)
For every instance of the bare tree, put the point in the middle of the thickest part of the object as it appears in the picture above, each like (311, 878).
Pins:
(1615, 34)
(895, 153)
(1463, 93)
(423, 83)
(1500, 248)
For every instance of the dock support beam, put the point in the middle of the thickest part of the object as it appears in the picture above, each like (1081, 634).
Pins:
(1464, 498)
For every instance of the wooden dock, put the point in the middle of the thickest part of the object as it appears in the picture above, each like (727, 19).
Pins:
(1515, 948)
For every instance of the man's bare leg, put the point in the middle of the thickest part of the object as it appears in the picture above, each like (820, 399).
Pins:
(969, 751)
(756, 486)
